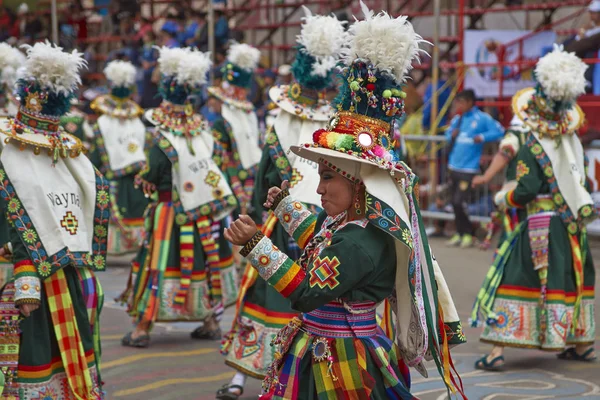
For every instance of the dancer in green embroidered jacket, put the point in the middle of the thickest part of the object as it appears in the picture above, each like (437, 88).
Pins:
(260, 310)
(118, 151)
(57, 203)
(238, 125)
(539, 293)
(10, 60)
(367, 247)
(182, 272)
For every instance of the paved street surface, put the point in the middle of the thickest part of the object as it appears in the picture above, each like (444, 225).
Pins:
(175, 367)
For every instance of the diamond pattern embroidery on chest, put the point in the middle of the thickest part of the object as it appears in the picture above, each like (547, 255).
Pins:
(325, 273)
(70, 223)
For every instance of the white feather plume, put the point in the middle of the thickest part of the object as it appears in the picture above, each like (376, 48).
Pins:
(169, 59)
(244, 56)
(324, 38)
(120, 73)
(193, 68)
(52, 68)
(391, 44)
(10, 57)
(561, 75)
(8, 76)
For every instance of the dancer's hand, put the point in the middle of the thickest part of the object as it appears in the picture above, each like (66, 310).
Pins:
(241, 230)
(27, 309)
(274, 191)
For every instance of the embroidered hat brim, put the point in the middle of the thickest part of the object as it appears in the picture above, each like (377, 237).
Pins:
(318, 112)
(520, 109)
(220, 94)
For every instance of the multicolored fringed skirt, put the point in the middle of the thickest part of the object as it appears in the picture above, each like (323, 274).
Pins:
(261, 312)
(539, 292)
(128, 204)
(181, 272)
(57, 353)
(334, 353)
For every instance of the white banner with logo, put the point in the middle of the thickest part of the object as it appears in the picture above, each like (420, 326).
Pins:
(593, 155)
(483, 46)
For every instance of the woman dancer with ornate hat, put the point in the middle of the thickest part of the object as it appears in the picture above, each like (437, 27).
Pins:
(238, 126)
(182, 273)
(366, 247)
(118, 151)
(539, 293)
(260, 310)
(58, 206)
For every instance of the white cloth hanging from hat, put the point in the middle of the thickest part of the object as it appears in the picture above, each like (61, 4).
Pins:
(244, 126)
(59, 199)
(124, 141)
(293, 131)
(196, 177)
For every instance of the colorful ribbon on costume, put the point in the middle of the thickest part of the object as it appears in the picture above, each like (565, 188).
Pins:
(250, 276)
(578, 269)
(186, 263)
(68, 337)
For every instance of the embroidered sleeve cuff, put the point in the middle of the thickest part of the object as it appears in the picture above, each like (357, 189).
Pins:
(510, 200)
(27, 290)
(248, 247)
(297, 220)
(275, 267)
(278, 199)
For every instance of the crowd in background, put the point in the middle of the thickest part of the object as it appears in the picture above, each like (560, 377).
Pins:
(133, 38)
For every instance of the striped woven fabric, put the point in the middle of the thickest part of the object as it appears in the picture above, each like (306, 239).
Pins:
(68, 337)
(334, 321)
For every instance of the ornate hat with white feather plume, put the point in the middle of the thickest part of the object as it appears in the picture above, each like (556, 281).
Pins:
(321, 43)
(242, 59)
(121, 78)
(550, 107)
(184, 73)
(46, 84)
(380, 55)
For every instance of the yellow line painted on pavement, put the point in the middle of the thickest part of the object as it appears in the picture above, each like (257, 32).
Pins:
(110, 337)
(138, 357)
(174, 381)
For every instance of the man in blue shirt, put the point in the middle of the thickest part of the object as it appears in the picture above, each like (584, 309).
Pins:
(466, 135)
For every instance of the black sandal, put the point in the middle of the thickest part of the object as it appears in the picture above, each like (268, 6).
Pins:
(225, 394)
(571, 354)
(203, 334)
(141, 341)
(496, 364)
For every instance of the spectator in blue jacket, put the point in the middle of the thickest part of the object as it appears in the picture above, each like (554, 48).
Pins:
(466, 135)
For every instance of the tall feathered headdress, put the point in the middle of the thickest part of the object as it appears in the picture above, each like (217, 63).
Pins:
(321, 43)
(11, 59)
(193, 69)
(120, 73)
(561, 75)
(49, 78)
(242, 60)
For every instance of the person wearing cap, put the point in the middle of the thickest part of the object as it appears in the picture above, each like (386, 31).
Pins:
(365, 248)
(118, 150)
(260, 310)
(183, 272)
(237, 126)
(539, 292)
(58, 206)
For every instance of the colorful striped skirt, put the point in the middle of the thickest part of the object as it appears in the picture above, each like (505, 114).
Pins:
(539, 293)
(181, 272)
(337, 352)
